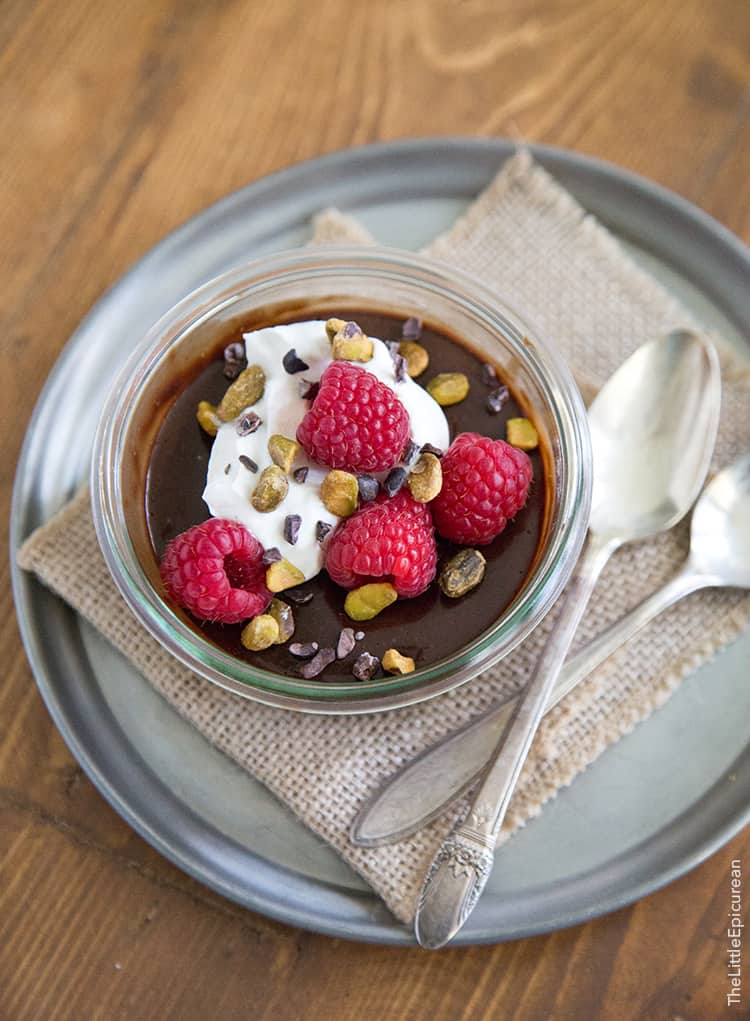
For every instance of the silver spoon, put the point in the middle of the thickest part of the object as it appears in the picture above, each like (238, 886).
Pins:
(653, 427)
(719, 557)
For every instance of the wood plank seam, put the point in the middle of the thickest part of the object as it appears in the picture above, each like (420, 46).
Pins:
(11, 800)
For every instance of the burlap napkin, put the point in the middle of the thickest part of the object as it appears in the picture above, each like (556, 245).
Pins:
(530, 240)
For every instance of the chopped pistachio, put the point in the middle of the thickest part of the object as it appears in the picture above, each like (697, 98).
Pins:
(416, 357)
(448, 387)
(367, 601)
(207, 417)
(260, 633)
(395, 663)
(283, 451)
(283, 614)
(334, 326)
(246, 390)
(521, 433)
(339, 491)
(348, 342)
(426, 478)
(283, 575)
(272, 487)
(462, 573)
(358, 348)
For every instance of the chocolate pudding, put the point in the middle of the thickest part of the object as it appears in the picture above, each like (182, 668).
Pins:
(429, 627)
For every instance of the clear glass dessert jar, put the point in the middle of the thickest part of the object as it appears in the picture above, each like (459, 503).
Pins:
(308, 283)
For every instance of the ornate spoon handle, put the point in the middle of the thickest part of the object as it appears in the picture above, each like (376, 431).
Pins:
(462, 865)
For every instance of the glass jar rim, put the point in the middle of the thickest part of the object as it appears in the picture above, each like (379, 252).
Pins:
(540, 590)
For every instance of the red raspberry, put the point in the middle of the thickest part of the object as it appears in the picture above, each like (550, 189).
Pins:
(355, 422)
(485, 483)
(390, 539)
(215, 570)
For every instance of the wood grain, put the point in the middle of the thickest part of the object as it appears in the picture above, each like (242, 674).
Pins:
(120, 120)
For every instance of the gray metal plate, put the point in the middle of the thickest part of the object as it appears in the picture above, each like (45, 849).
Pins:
(631, 823)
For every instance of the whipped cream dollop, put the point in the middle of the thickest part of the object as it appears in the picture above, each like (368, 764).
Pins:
(229, 484)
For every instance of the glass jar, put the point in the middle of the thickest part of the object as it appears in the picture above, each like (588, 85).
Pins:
(340, 277)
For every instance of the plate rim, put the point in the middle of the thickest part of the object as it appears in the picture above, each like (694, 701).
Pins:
(377, 925)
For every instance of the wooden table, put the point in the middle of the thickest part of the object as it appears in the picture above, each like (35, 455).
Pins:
(120, 120)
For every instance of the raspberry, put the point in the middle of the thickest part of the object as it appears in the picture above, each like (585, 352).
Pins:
(215, 570)
(485, 483)
(355, 422)
(390, 539)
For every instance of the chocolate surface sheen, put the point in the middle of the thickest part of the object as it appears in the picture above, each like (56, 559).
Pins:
(428, 628)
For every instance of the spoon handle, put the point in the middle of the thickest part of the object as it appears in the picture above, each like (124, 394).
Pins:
(462, 865)
(595, 652)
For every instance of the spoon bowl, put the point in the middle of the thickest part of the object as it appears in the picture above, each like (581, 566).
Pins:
(720, 528)
(652, 435)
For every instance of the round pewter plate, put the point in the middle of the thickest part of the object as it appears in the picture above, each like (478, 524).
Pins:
(629, 824)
